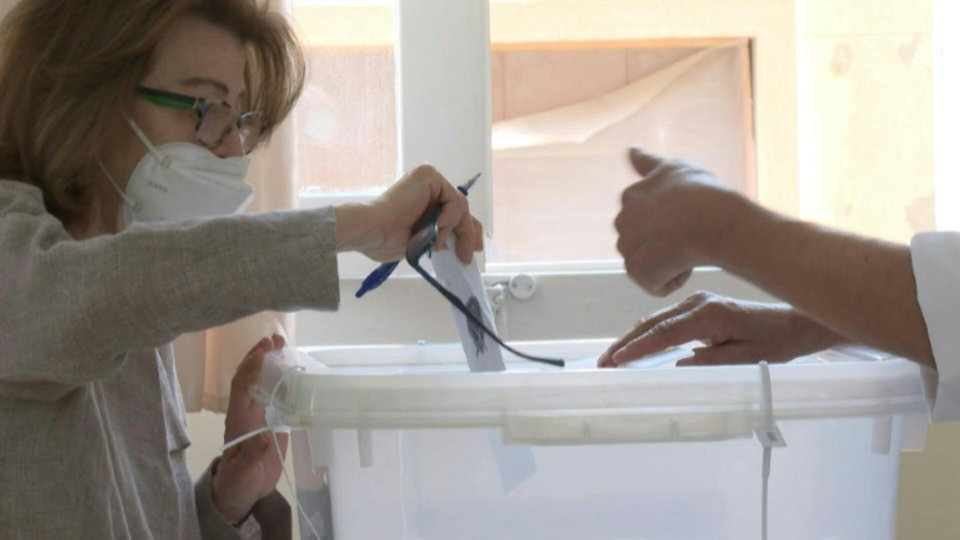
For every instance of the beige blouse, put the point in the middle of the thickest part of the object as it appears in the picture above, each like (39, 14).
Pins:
(92, 433)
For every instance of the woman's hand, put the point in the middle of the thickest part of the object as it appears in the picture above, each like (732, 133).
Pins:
(673, 220)
(249, 471)
(380, 229)
(733, 331)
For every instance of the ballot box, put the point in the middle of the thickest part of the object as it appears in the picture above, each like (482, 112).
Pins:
(405, 443)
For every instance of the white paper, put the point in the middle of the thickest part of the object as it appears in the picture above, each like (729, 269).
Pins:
(463, 280)
(515, 463)
(661, 359)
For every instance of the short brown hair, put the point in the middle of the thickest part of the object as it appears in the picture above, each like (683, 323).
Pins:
(68, 68)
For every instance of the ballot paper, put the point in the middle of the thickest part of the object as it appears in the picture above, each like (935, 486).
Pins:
(515, 463)
(463, 280)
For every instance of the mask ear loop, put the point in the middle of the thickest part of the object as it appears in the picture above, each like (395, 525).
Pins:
(150, 148)
(143, 138)
(132, 203)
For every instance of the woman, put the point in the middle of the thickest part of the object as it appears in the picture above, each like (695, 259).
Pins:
(124, 127)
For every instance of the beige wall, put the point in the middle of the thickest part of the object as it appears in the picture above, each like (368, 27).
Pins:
(930, 487)
(865, 102)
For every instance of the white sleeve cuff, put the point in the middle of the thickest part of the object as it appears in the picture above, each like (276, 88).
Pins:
(936, 269)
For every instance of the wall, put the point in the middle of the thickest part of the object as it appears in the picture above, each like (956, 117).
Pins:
(865, 101)
(865, 89)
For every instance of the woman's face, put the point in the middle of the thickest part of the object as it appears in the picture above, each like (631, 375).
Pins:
(195, 58)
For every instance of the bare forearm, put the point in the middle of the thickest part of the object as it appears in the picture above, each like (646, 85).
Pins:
(861, 288)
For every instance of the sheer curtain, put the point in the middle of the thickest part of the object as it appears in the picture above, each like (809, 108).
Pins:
(695, 103)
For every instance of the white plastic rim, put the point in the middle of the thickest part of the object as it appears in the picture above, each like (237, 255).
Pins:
(534, 405)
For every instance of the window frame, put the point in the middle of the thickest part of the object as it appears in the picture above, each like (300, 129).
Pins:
(573, 300)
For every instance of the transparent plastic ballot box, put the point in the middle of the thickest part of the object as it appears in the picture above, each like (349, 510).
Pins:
(403, 442)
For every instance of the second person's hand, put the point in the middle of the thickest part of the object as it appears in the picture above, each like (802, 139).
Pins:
(733, 332)
(380, 229)
(674, 220)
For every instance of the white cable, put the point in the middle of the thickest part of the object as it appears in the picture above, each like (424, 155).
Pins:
(767, 451)
(242, 438)
(769, 436)
(276, 446)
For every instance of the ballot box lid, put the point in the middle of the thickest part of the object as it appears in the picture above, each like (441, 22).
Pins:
(429, 387)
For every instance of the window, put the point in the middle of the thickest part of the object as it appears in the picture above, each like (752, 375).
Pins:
(814, 109)
(563, 115)
(346, 118)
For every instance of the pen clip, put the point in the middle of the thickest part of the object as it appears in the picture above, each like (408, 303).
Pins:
(465, 187)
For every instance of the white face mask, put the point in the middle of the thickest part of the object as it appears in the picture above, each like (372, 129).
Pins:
(178, 181)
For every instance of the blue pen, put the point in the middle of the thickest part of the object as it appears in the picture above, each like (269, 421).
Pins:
(382, 272)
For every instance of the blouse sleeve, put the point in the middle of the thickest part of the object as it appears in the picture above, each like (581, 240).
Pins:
(69, 309)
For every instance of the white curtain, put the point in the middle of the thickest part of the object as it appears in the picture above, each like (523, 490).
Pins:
(693, 107)
(697, 106)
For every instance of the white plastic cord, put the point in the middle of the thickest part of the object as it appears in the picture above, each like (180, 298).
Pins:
(242, 438)
(276, 446)
(767, 451)
(769, 436)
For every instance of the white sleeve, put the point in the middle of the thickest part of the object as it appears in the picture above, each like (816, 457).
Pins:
(936, 269)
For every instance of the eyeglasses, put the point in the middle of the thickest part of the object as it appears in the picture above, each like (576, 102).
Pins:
(215, 119)
(423, 237)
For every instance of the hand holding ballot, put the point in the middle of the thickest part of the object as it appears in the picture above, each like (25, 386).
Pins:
(380, 229)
